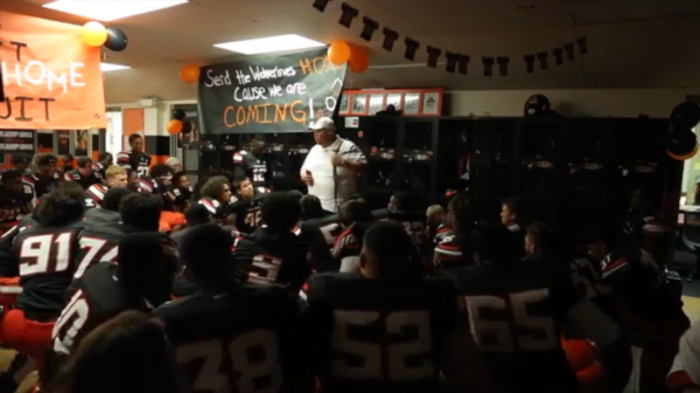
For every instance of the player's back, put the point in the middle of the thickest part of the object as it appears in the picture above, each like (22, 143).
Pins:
(377, 337)
(414, 222)
(96, 297)
(329, 226)
(242, 341)
(46, 266)
(517, 312)
(99, 242)
(266, 257)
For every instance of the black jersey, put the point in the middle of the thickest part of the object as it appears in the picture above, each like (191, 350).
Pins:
(94, 195)
(102, 216)
(375, 337)
(98, 243)
(414, 222)
(266, 257)
(137, 162)
(99, 170)
(254, 168)
(247, 211)
(36, 186)
(242, 341)
(517, 312)
(98, 297)
(84, 181)
(329, 226)
(46, 258)
(12, 209)
(174, 199)
(348, 247)
(319, 256)
(216, 208)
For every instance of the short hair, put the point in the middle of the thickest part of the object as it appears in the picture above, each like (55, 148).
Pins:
(542, 235)
(213, 187)
(395, 256)
(160, 170)
(513, 204)
(141, 211)
(133, 138)
(115, 170)
(311, 207)
(435, 209)
(491, 243)
(72, 189)
(177, 176)
(83, 162)
(257, 137)
(280, 210)
(11, 174)
(239, 181)
(141, 258)
(206, 252)
(355, 211)
(42, 159)
(197, 215)
(172, 161)
(113, 198)
(59, 208)
(104, 155)
(91, 366)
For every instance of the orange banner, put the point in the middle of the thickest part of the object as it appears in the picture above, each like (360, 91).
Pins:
(52, 78)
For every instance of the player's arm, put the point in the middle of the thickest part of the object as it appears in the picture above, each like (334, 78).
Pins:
(124, 160)
(458, 353)
(585, 320)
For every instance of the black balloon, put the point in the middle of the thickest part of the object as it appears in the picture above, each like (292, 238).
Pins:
(116, 39)
(186, 127)
(179, 114)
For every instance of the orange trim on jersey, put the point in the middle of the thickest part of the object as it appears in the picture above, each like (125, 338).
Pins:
(342, 235)
(616, 263)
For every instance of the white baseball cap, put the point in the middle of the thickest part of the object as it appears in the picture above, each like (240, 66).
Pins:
(322, 123)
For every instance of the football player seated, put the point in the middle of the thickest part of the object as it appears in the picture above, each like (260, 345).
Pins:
(13, 204)
(435, 217)
(45, 255)
(158, 180)
(512, 216)
(108, 212)
(452, 246)
(313, 216)
(387, 328)
(517, 311)
(356, 217)
(196, 216)
(104, 161)
(273, 254)
(254, 327)
(22, 162)
(100, 242)
(215, 195)
(115, 177)
(108, 289)
(180, 193)
(245, 204)
(408, 209)
(83, 174)
(685, 373)
(45, 178)
(319, 255)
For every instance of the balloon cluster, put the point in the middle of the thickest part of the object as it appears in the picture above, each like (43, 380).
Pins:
(178, 124)
(340, 53)
(682, 141)
(96, 34)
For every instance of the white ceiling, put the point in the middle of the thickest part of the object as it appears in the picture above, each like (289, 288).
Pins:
(632, 43)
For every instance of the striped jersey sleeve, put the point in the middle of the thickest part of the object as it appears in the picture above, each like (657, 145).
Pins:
(123, 159)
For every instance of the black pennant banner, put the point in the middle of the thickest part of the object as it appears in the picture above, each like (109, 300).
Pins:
(456, 62)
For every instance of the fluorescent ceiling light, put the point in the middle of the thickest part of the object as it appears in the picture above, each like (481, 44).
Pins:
(107, 67)
(109, 10)
(278, 43)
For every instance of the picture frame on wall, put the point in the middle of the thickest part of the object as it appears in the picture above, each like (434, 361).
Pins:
(395, 100)
(432, 103)
(376, 103)
(359, 104)
(344, 108)
(411, 104)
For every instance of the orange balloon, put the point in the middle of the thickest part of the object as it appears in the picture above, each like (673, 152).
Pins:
(359, 61)
(94, 33)
(339, 53)
(190, 73)
(175, 126)
(684, 157)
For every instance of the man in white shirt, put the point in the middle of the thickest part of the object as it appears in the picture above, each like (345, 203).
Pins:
(331, 167)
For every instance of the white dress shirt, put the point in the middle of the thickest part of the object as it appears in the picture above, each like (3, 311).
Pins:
(332, 191)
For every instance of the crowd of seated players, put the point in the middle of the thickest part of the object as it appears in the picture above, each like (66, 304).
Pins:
(244, 290)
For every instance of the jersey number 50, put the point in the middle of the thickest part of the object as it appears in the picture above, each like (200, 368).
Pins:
(371, 354)
(498, 334)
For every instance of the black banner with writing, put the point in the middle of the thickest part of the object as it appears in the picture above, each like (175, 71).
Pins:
(13, 142)
(266, 95)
